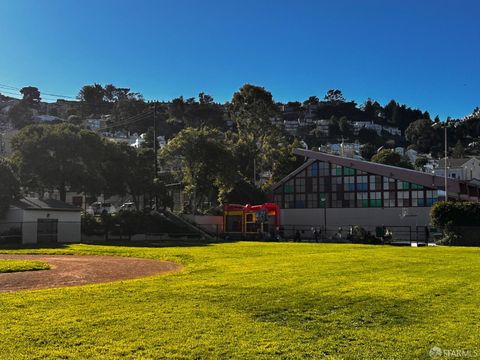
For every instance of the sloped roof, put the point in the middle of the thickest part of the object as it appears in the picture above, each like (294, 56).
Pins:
(43, 204)
(452, 163)
(413, 176)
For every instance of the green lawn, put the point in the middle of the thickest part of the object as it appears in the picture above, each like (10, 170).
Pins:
(257, 300)
(7, 266)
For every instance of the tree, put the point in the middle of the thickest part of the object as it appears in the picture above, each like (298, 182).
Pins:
(389, 157)
(202, 161)
(149, 139)
(31, 95)
(135, 108)
(458, 150)
(312, 100)
(334, 95)
(20, 115)
(367, 151)
(192, 113)
(420, 162)
(421, 134)
(92, 98)
(8, 186)
(58, 157)
(345, 127)
(252, 108)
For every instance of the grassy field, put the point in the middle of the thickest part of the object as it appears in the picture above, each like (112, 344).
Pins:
(257, 300)
(7, 266)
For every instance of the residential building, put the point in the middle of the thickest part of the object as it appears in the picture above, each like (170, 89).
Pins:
(461, 169)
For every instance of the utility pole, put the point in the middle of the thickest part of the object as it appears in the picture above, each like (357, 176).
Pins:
(446, 164)
(155, 149)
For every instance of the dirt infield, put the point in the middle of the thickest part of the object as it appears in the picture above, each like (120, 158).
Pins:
(70, 270)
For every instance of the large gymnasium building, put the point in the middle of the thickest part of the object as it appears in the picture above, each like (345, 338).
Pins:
(341, 191)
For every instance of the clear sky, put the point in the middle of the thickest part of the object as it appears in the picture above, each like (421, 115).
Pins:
(425, 53)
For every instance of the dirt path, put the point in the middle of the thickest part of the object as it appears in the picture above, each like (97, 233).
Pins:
(70, 270)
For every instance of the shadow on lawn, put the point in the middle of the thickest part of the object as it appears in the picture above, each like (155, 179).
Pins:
(159, 244)
(118, 243)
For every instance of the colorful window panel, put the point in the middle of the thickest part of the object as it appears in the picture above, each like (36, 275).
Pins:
(375, 183)
(300, 201)
(349, 183)
(362, 183)
(431, 197)
(388, 183)
(362, 199)
(312, 170)
(389, 198)
(403, 198)
(323, 168)
(289, 186)
(348, 171)
(349, 200)
(376, 199)
(300, 185)
(289, 201)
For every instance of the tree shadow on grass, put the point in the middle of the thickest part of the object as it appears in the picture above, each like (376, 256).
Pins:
(160, 243)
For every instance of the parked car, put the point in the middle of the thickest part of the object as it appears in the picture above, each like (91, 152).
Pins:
(100, 208)
(128, 206)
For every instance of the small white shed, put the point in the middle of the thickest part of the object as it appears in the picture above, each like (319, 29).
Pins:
(43, 221)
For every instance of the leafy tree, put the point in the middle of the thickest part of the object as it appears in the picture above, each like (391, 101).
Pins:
(20, 115)
(334, 95)
(421, 134)
(252, 109)
(135, 109)
(92, 98)
(149, 139)
(312, 100)
(367, 151)
(203, 163)
(9, 186)
(58, 157)
(345, 127)
(420, 162)
(31, 95)
(192, 113)
(389, 157)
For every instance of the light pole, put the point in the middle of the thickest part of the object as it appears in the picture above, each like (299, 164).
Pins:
(445, 127)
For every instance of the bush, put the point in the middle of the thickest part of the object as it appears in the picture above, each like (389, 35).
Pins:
(459, 221)
(358, 235)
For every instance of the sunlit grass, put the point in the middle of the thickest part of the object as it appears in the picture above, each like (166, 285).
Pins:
(7, 265)
(256, 300)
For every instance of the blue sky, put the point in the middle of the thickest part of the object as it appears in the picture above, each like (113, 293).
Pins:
(422, 53)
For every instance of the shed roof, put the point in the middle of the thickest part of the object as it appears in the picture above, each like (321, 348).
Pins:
(43, 204)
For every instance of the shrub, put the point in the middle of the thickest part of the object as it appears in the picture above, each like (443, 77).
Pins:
(459, 221)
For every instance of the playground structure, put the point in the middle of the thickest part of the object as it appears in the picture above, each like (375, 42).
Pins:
(251, 221)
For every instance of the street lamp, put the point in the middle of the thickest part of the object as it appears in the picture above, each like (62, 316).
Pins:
(445, 126)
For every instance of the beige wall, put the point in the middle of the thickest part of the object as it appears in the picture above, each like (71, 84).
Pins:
(370, 217)
(69, 225)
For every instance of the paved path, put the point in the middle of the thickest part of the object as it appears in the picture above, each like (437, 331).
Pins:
(72, 270)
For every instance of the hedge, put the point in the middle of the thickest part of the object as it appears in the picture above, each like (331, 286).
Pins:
(460, 222)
